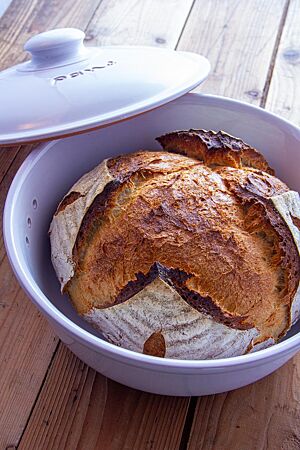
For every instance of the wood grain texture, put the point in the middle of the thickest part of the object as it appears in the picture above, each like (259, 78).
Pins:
(4, 186)
(7, 155)
(23, 19)
(264, 415)
(26, 350)
(27, 342)
(238, 38)
(22, 330)
(271, 407)
(138, 22)
(79, 409)
(90, 436)
(284, 92)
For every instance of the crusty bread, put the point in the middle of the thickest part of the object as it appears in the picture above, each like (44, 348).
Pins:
(191, 252)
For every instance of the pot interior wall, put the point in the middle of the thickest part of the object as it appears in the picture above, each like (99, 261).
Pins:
(52, 169)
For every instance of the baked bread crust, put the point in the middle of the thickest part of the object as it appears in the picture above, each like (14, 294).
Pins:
(215, 149)
(191, 252)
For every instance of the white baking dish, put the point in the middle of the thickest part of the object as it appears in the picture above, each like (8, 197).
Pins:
(52, 168)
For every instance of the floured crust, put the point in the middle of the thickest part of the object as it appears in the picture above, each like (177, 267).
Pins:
(68, 217)
(203, 229)
(288, 206)
(188, 334)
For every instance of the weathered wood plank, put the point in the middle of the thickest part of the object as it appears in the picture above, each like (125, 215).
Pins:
(265, 415)
(238, 37)
(27, 342)
(7, 155)
(5, 181)
(68, 370)
(72, 381)
(141, 22)
(25, 18)
(88, 411)
(284, 92)
(90, 439)
(83, 422)
(26, 350)
(107, 22)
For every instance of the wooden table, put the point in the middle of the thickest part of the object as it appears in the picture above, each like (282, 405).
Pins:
(48, 398)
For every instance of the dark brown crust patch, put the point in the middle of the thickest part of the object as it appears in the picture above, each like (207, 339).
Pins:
(68, 200)
(296, 221)
(214, 149)
(155, 345)
(177, 278)
(93, 217)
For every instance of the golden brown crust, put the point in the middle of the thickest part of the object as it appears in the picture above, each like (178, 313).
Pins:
(176, 279)
(214, 149)
(254, 191)
(202, 235)
(123, 166)
(172, 210)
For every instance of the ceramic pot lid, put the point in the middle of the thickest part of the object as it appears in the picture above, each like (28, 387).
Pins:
(68, 88)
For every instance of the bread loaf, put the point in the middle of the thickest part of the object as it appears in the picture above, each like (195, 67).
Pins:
(191, 252)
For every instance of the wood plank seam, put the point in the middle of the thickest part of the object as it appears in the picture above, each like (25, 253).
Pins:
(283, 97)
(225, 395)
(89, 37)
(192, 405)
(6, 41)
(25, 13)
(192, 411)
(271, 73)
(189, 419)
(5, 179)
(185, 23)
(53, 358)
(4, 256)
(59, 343)
(11, 163)
(274, 55)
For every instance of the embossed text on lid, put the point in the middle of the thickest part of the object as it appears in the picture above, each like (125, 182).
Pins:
(68, 88)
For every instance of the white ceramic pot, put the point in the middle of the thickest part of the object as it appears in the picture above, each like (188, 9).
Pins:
(52, 168)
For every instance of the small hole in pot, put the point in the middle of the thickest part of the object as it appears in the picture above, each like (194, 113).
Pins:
(27, 240)
(29, 222)
(34, 203)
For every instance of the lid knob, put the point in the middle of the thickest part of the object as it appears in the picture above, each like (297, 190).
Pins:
(55, 48)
